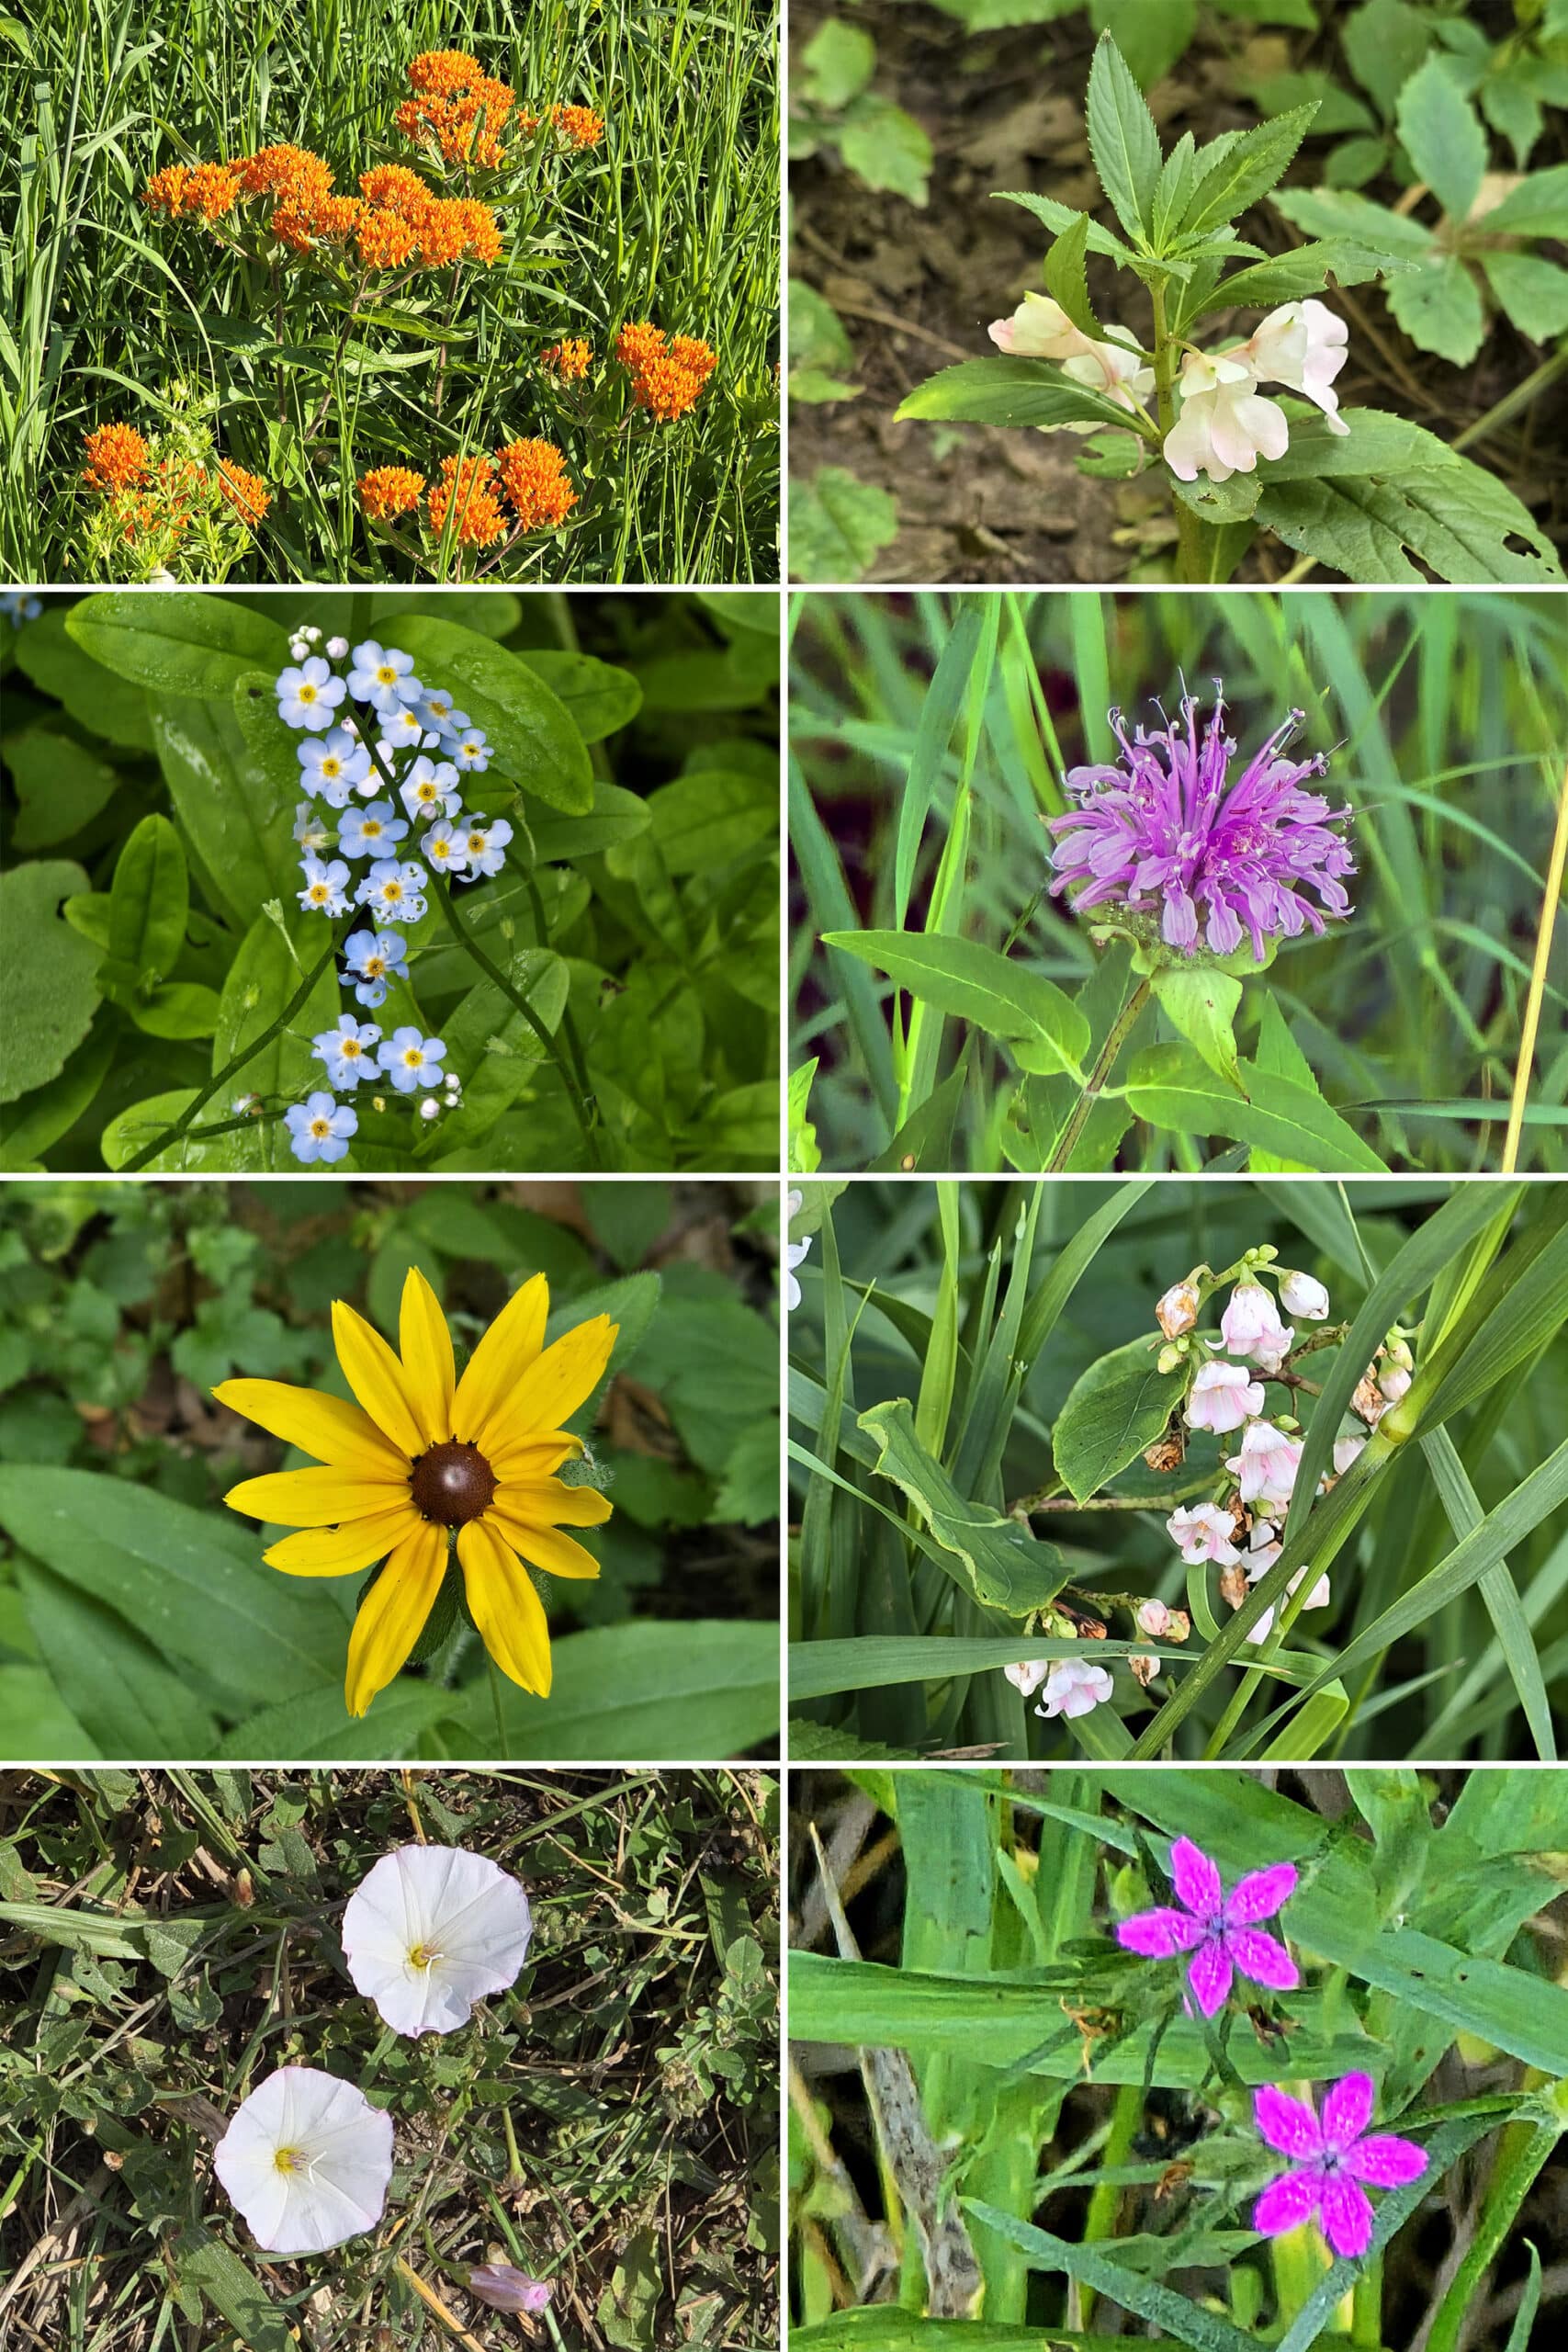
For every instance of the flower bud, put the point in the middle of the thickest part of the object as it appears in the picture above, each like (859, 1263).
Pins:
(506, 2289)
(1346, 1448)
(1300, 1295)
(1169, 1358)
(1394, 1382)
(1028, 1674)
(1161, 1623)
(1178, 1310)
(337, 649)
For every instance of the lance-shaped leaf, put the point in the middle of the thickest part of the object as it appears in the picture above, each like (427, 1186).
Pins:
(1009, 391)
(994, 1559)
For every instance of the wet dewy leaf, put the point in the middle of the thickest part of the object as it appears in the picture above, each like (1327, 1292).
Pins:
(997, 1560)
(493, 1050)
(93, 696)
(52, 985)
(1118, 1406)
(262, 979)
(535, 743)
(178, 643)
(149, 899)
(600, 698)
(235, 786)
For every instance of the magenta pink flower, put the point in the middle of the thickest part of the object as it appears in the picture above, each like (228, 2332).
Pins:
(1219, 1931)
(1332, 2155)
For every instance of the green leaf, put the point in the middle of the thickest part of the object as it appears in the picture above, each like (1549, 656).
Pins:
(494, 1049)
(317, 1727)
(1150, 34)
(178, 643)
(1438, 305)
(707, 821)
(113, 1680)
(132, 1129)
(1533, 292)
(995, 1560)
(886, 148)
(1066, 280)
(1007, 391)
(838, 525)
(598, 697)
(1122, 139)
(1245, 171)
(176, 1009)
(1442, 136)
(1119, 1405)
(1278, 1052)
(52, 988)
(51, 1111)
(235, 780)
(1338, 212)
(821, 353)
(975, 984)
(1304, 271)
(192, 1582)
(1193, 2323)
(836, 64)
(1384, 41)
(1058, 217)
(35, 1720)
(1537, 208)
(93, 696)
(535, 742)
(650, 1691)
(616, 816)
(150, 901)
(60, 786)
(1173, 1088)
(1202, 1004)
(203, 2262)
(878, 1662)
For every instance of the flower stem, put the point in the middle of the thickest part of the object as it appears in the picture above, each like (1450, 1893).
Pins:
(1189, 564)
(553, 1049)
(237, 1062)
(1549, 904)
(1105, 1062)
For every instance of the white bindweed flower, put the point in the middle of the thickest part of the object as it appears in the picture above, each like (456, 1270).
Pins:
(1267, 1466)
(1040, 329)
(1250, 1325)
(1222, 1396)
(1226, 425)
(1303, 345)
(1201, 1533)
(431, 1931)
(1073, 1687)
(307, 2160)
(1300, 1295)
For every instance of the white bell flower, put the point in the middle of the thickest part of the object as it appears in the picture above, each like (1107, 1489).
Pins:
(431, 1931)
(307, 2160)
(1303, 1295)
(1226, 425)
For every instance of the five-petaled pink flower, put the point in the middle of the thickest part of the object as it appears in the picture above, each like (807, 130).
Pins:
(1219, 1931)
(1334, 2155)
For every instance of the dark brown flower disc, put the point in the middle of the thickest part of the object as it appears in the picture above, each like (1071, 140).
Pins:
(451, 1484)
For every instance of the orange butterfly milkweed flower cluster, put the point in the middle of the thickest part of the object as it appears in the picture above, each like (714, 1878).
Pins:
(668, 372)
(145, 496)
(457, 105)
(246, 493)
(394, 220)
(117, 459)
(569, 359)
(533, 480)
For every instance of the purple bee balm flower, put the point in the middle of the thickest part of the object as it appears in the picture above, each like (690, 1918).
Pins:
(1169, 831)
(1219, 1931)
(1333, 2155)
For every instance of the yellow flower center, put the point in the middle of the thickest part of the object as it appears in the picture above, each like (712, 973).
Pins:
(413, 1056)
(371, 829)
(321, 1126)
(332, 767)
(424, 1956)
(386, 674)
(475, 843)
(375, 967)
(306, 692)
(349, 1047)
(318, 892)
(391, 890)
(291, 2160)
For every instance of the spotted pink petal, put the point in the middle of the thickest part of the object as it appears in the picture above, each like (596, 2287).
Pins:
(1159, 1934)
(1210, 1976)
(1347, 2217)
(1261, 1894)
(1287, 2203)
(1384, 2162)
(1196, 1879)
(1263, 1959)
(1286, 2124)
(1347, 2111)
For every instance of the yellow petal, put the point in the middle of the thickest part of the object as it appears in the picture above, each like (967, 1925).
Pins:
(544, 1547)
(564, 1375)
(545, 1502)
(393, 1616)
(429, 1371)
(376, 1377)
(505, 1607)
(502, 1356)
(328, 1427)
(534, 1461)
(338, 1551)
(315, 1498)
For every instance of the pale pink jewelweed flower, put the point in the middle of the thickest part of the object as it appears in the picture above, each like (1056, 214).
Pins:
(1220, 1931)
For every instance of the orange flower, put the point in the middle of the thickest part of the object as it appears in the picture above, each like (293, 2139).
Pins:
(459, 106)
(212, 190)
(291, 172)
(442, 235)
(480, 233)
(117, 459)
(165, 191)
(570, 359)
(667, 373)
(384, 240)
(396, 189)
(246, 493)
(387, 491)
(534, 476)
(579, 125)
(465, 485)
(446, 72)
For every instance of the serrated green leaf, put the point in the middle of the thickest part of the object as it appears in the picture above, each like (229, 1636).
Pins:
(1533, 292)
(1442, 136)
(1248, 172)
(838, 525)
(1122, 139)
(1537, 208)
(1065, 278)
(1058, 217)
(1438, 305)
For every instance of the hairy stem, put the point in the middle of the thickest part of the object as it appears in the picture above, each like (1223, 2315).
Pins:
(237, 1062)
(1105, 1062)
